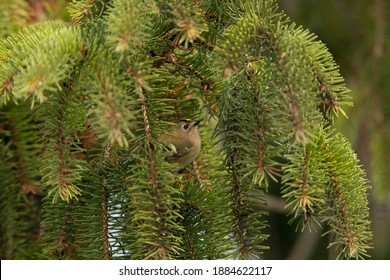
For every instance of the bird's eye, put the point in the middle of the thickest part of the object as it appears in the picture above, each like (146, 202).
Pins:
(186, 126)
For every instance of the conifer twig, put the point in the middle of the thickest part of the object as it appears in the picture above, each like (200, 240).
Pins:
(104, 206)
(195, 168)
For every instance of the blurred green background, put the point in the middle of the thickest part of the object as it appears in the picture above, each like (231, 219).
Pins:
(358, 35)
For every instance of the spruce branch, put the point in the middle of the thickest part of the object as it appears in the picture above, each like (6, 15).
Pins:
(57, 238)
(348, 218)
(207, 208)
(152, 186)
(12, 225)
(195, 169)
(189, 21)
(59, 121)
(81, 11)
(104, 208)
(105, 88)
(22, 139)
(124, 33)
(240, 140)
(106, 99)
(37, 59)
(305, 182)
(315, 192)
(13, 16)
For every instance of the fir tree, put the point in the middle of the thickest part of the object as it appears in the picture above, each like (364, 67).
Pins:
(84, 103)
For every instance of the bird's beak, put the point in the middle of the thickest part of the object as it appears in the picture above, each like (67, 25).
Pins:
(196, 123)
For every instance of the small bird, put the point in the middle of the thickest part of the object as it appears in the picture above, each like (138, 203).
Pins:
(184, 139)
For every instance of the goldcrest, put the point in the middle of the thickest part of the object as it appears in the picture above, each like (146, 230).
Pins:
(184, 139)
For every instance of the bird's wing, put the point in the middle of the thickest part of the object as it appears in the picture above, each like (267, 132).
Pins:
(182, 151)
(185, 149)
